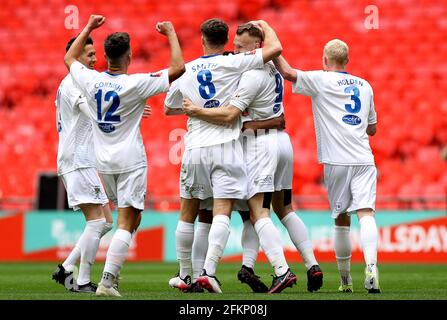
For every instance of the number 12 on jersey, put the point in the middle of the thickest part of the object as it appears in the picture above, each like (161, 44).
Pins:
(110, 117)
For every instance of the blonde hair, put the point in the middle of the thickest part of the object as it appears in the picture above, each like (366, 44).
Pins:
(337, 51)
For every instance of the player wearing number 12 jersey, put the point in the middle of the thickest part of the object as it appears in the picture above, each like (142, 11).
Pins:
(344, 116)
(116, 102)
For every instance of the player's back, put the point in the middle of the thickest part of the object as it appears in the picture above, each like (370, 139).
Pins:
(343, 106)
(260, 93)
(75, 148)
(210, 82)
(116, 104)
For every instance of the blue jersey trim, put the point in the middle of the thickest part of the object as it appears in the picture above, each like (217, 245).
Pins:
(211, 55)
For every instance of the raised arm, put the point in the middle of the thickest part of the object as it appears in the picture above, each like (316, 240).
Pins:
(285, 69)
(223, 115)
(176, 63)
(76, 48)
(272, 46)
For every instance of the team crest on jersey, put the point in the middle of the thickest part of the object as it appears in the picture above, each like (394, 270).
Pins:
(249, 53)
(156, 75)
(352, 120)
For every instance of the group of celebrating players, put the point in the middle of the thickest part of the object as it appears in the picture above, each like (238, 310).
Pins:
(237, 155)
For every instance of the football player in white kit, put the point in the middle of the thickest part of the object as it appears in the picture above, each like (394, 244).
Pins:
(344, 116)
(269, 159)
(213, 164)
(116, 102)
(77, 168)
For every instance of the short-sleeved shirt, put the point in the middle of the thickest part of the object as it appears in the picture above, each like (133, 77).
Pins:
(75, 148)
(343, 107)
(260, 94)
(116, 104)
(209, 82)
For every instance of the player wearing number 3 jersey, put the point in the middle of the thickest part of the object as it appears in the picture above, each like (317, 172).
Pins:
(116, 102)
(344, 116)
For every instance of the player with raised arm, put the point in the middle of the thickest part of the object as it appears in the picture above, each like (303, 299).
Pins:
(212, 164)
(344, 115)
(116, 102)
(269, 160)
(77, 168)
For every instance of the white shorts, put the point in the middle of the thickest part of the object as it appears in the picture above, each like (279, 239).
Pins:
(84, 186)
(216, 171)
(126, 189)
(284, 169)
(350, 187)
(239, 205)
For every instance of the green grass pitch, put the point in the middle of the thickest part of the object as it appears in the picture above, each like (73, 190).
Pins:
(149, 281)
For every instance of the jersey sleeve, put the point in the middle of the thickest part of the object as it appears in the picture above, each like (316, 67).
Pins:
(82, 76)
(372, 116)
(246, 91)
(150, 84)
(307, 82)
(174, 98)
(247, 61)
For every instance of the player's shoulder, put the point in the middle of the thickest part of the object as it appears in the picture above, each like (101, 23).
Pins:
(68, 86)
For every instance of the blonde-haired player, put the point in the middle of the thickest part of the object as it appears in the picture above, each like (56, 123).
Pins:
(344, 116)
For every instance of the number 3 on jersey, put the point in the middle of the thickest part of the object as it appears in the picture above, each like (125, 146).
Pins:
(207, 89)
(354, 97)
(110, 117)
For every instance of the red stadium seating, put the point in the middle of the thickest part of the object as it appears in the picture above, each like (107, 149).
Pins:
(404, 60)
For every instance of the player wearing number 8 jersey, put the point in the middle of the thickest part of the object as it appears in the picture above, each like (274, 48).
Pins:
(116, 102)
(213, 164)
(344, 116)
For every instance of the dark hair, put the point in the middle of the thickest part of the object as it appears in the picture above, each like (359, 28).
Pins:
(116, 45)
(215, 32)
(70, 42)
(251, 29)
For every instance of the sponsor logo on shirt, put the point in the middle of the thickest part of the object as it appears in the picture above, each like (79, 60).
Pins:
(351, 120)
(106, 127)
(211, 104)
(157, 75)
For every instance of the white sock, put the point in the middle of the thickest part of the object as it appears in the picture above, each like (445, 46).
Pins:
(75, 254)
(116, 255)
(271, 245)
(342, 246)
(300, 238)
(89, 243)
(184, 237)
(250, 245)
(107, 227)
(199, 248)
(73, 258)
(369, 238)
(218, 237)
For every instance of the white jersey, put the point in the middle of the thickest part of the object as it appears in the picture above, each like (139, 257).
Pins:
(75, 149)
(343, 107)
(116, 104)
(260, 94)
(210, 82)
